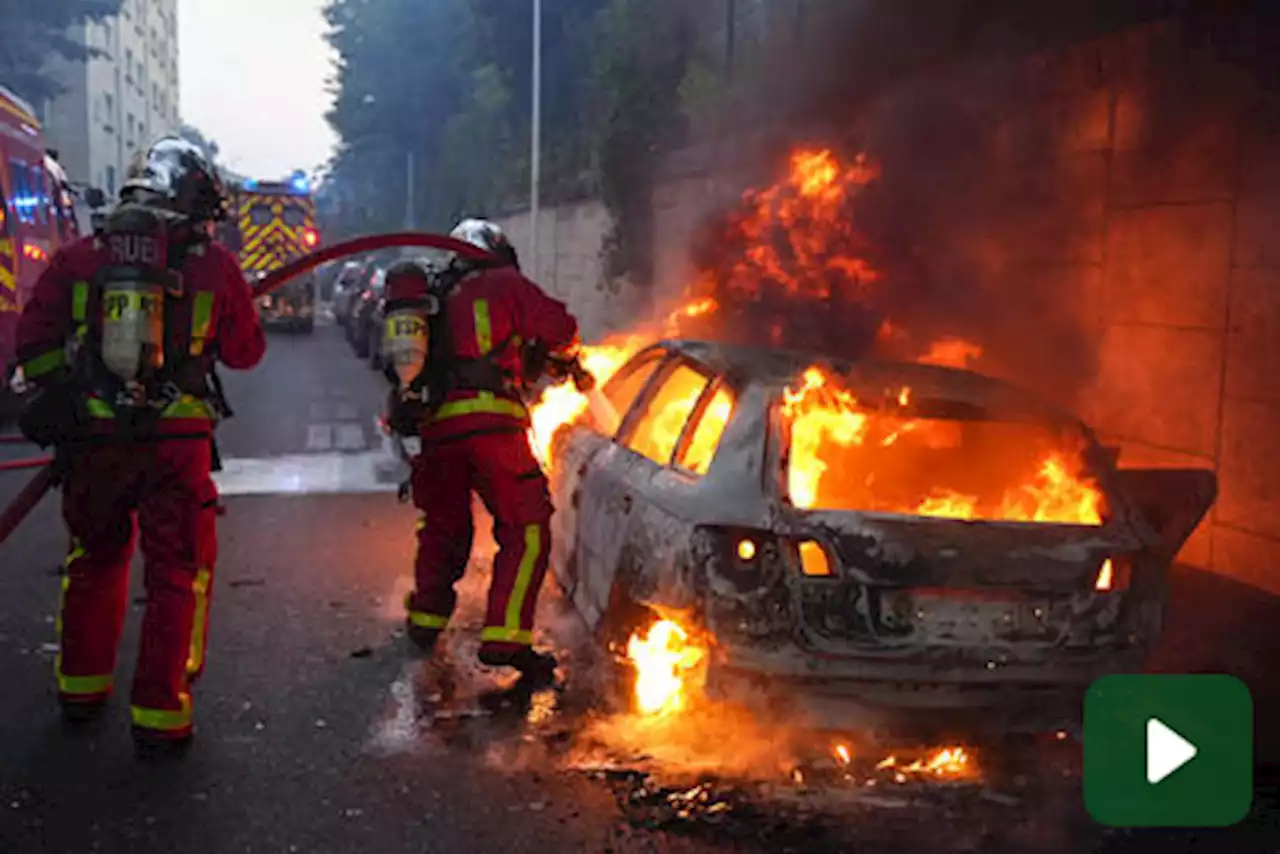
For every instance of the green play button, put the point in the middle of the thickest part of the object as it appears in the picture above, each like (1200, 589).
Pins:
(1168, 751)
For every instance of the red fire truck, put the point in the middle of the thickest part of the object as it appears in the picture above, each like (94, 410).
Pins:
(37, 215)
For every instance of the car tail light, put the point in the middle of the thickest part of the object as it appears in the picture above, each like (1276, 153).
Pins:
(813, 560)
(744, 556)
(1113, 575)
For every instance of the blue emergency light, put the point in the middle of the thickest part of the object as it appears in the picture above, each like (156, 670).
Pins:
(300, 184)
(251, 184)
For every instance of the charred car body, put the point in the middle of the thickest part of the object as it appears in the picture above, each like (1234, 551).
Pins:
(842, 591)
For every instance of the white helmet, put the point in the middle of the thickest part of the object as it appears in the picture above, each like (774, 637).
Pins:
(486, 235)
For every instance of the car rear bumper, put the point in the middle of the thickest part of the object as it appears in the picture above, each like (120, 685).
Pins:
(901, 693)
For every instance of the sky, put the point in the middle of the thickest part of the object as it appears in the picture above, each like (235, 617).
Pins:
(253, 77)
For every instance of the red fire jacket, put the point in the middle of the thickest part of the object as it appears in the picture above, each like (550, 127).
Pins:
(493, 315)
(217, 316)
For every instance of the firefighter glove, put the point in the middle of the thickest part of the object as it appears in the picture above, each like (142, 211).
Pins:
(52, 416)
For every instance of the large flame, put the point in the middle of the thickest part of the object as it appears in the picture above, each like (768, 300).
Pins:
(663, 659)
(561, 405)
(825, 418)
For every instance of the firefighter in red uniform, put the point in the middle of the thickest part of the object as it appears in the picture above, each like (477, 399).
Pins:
(120, 336)
(484, 323)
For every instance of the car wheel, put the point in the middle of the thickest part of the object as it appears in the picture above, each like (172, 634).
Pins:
(307, 326)
(617, 679)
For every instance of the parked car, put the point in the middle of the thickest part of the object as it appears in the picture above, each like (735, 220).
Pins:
(842, 594)
(354, 276)
(361, 332)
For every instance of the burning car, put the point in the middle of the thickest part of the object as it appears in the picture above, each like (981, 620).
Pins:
(866, 544)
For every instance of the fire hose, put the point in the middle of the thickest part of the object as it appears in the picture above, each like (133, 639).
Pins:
(26, 500)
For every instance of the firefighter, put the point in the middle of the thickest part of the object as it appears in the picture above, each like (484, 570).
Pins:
(483, 335)
(120, 336)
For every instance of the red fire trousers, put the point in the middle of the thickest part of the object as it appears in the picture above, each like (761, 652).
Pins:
(166, 487)
(501, 468)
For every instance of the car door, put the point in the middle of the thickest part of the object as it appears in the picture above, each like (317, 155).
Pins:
(587, 473)
(619, 486)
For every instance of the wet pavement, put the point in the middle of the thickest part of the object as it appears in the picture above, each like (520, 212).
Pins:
(318, 732)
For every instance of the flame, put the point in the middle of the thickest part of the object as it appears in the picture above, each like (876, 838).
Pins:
(951, 353)
(943, 762)
(797, 233)
(662, 659)
(796, 240)
(823, 415)
(561, 405)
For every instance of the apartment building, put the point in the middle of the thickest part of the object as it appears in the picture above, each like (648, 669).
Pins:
(119, 99)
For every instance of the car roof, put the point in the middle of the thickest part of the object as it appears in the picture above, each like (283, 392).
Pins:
(776, 368)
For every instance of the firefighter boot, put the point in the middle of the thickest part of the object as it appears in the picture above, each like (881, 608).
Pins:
(536, 668)
(81, 711)
(423, 639)
(151, 745)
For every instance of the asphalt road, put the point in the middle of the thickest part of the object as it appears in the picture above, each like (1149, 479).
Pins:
(318, 733)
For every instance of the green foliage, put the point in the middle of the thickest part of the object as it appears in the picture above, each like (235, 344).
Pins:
(450, 81)
(643, 56)
(35, 31)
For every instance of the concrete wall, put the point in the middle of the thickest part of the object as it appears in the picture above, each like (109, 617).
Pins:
(1145, 207)
(570, 263)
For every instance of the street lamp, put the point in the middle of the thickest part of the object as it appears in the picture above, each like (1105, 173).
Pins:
(535, 127)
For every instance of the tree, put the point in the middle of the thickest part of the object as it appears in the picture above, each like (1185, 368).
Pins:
(35, 32)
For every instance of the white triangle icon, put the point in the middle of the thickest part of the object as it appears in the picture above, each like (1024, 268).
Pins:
(1166, 751)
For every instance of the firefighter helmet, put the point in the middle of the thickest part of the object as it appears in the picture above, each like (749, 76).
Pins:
(176, 175)
(488, 236)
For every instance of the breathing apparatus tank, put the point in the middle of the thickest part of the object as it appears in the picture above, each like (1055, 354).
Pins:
(133, 288)
(406, 337)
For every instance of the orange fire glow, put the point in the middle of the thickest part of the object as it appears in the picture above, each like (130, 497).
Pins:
(562, 404)
(829, 427)
(796, 235)
(663, 659)
(945, 762)
(951, 353)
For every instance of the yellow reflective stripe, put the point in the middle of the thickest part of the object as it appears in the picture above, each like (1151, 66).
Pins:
(485, 401)
(84, 684)
(195, 653)
(80, 308)
(74, 553)
(45, 363)
(186, 407)
(532, 550)
(201, 320)
(75, 684)
(166, 720)
(99, 408)
(484, 329)
(504, 635)
(428, 621)
(80, 302)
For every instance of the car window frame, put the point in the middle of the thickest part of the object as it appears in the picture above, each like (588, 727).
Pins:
(673, 361)
(636, 363)
(718, 382)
